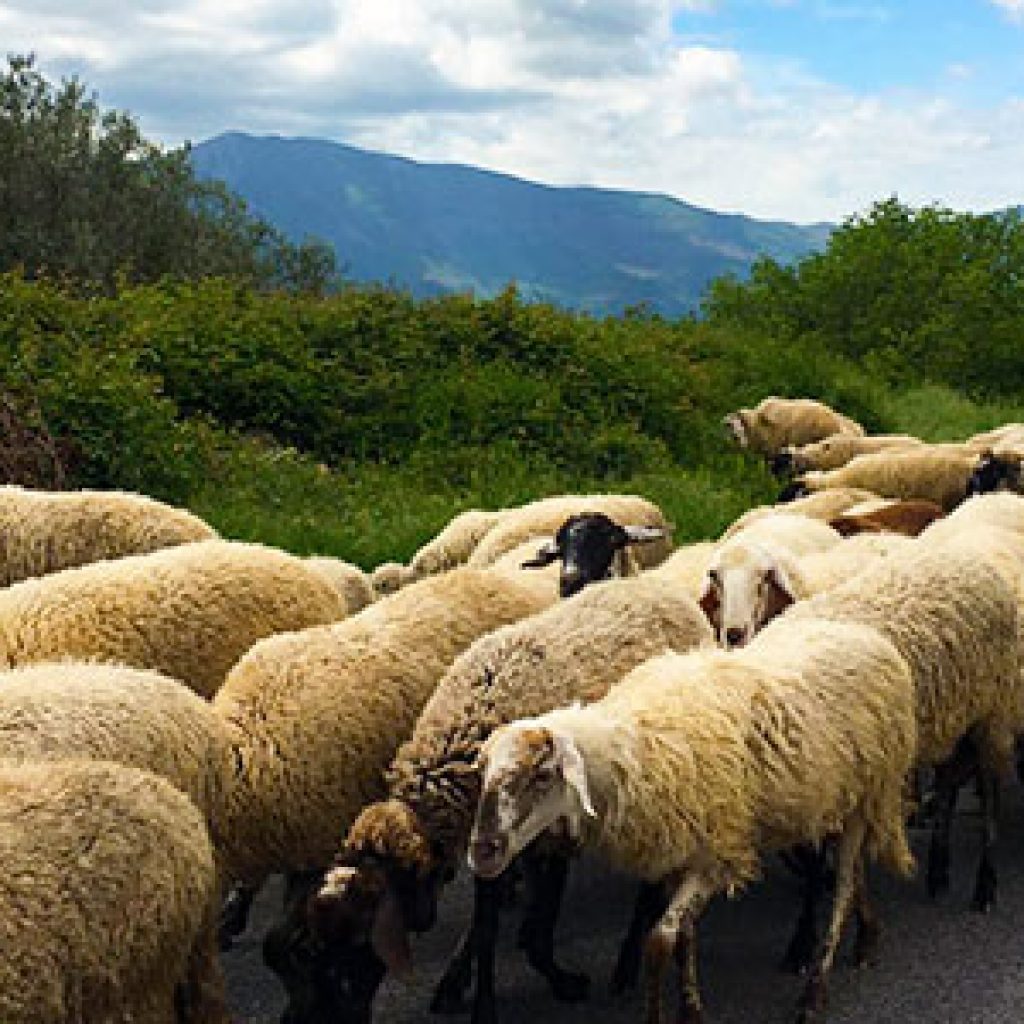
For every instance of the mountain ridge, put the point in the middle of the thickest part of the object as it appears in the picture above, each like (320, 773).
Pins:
(438, 227)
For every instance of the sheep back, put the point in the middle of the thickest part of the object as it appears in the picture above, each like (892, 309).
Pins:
(823, 505)
(574, 651)
(189, 612)
(43, 531)
(349, 580)
(455, 543)
(775, 423)
(135, 717)
(316, 715)
(107, 900)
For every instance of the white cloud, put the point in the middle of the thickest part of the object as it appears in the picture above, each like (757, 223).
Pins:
(1014, 8)
(563, 91)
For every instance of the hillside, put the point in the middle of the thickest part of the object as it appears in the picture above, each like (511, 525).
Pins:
(435, 228)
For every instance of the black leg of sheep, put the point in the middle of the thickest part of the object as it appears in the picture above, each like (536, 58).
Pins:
(546, 875)
(813, 871)
(650, 904)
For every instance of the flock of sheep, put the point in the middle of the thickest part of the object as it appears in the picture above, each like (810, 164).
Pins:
(182, 716)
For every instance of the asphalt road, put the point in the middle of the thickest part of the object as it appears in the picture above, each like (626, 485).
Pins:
(939, 962)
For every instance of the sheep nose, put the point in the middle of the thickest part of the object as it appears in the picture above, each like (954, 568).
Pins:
(734, 637)
(570, 581)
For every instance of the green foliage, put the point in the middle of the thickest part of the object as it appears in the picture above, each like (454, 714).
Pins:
(84, 196)
(908, 294)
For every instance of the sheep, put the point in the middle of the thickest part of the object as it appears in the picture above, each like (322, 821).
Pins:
(389, 577)
(904, 517)
(686, 566)
(775, 423)
(996, 472)
(351, 582)
(696, 764)
(956, 622)
(543, 518)
(136, 717)
(107, 898)
(520, 559)
(574, 650)
(941, 477)
(837, 450)
(1002, 509)
(747, 580)
(823, 505)
(455, 543)
(815, 573)
(45, 531)
(189, 612)
(314, 716)
(1009, 434)
(591, 546)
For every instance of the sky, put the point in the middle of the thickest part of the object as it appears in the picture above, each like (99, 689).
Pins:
(800, 110)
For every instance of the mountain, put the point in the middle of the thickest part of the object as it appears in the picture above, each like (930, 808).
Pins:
(443, 227)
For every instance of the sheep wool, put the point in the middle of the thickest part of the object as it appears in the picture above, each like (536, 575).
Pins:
(937, 476)
(720, 756)
(823, 505)
(775, 423)
(349, 580)
(826, 569)
(576, 650)
(316, 715)
(543, 518)
(189, 612)
(686, 566)
(1000, 509)
(389, 577)
(107, 899)
(837, 450)
(43, 531)
(955, 622)
(455, 543)
(135, 717)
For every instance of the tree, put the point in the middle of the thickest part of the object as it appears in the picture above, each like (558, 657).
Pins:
(83, 195)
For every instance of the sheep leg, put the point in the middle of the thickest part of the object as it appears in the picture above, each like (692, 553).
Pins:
(985, 884)
(674, 936)
(865, 948)
(800, 952)
(450, 994)
(546, 874)
(487, 895)
(949, 777)
(649, 906)
(848, 878)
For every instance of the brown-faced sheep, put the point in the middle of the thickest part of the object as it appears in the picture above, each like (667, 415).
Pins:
(696, 764)
(397, 851)
(908, 517)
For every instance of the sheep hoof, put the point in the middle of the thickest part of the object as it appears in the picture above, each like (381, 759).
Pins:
(984, 898)
(689, 1013)
(813, 1003)
(800, 952)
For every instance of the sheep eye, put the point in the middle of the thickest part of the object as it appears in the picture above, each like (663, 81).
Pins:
(713, 576)
(543, 777)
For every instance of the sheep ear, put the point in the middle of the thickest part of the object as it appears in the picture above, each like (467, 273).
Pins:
(780, 592)
(546, 554)
(643, 534)
(709, 603)
(574, 771)
(388, 936)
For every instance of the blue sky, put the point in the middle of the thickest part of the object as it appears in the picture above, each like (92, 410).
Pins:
(962, 46)
(785, 109)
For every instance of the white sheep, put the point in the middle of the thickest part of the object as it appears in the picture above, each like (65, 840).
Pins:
(189, 612)
(697, 764)
(823, 505)
(455, 543)
(774, 423)
(938, 476)
(573, 651)
(389, 577)
(108, 900)
(44, 531)
(837, 450)
(749, 579)
(957, 624)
